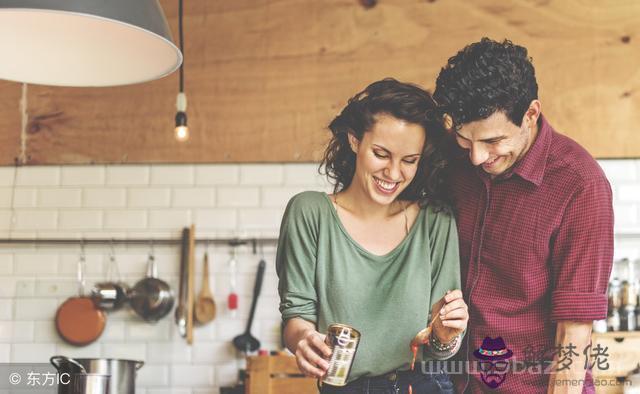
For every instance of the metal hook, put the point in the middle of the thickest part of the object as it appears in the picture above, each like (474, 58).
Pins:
(82, 250)
(151, 249)
(112, 250)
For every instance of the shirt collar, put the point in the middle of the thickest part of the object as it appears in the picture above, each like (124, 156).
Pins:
(532, 166)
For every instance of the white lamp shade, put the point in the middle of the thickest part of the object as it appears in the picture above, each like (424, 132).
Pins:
(85, 42)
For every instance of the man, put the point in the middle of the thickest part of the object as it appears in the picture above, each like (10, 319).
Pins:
(535, 223)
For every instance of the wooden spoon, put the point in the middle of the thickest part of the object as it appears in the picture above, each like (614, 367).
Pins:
(205, 310)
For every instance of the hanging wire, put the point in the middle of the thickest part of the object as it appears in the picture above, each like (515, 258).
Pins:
(180, 33)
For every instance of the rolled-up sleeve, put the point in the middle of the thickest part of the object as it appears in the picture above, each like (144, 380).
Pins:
(582, 255)
(295, 262)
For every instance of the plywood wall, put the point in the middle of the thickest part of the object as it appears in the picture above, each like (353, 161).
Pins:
(263, 78)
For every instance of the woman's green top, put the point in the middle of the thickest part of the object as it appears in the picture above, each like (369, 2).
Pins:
(326, 277)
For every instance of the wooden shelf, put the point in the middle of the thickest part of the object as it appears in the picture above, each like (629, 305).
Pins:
(617, 334)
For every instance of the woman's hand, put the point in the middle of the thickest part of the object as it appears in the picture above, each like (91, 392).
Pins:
(309, 347)
(452, 316)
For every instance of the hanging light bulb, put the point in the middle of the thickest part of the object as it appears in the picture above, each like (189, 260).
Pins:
(182, 130)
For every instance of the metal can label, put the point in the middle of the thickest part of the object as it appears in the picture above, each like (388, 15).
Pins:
(343, 341)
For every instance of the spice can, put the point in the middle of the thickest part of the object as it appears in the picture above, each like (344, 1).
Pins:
(343, 341)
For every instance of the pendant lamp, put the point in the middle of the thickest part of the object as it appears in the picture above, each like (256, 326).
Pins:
(85, 42)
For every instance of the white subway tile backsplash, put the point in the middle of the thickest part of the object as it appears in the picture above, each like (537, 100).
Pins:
(169, 219)
(226, 375)
(125, 219)
(36, 219)
(153, 376)
(31, 352)
(35, 308)
(89, 351)
(267, 219)
(168, 352)
(83, 175)
(114, 331)
(619, 170)
(261, 174)
(5, 352)
(235, 197)
(626, 215)
(213, 353)
(6, 308)
(45, 332)
(78, 219)
(6, 264)
(24, 198)
(217, 174)
(193, 197)
(137, 175)
(303, 174)
(149, 197)
(59, 198)
(215, 219)
(130, 351)
(35, 264)
(138, 331)
(38, 176)
(11, 331)
(192, 375)
(56, 288)
(279, 196)
(172, 175)
(629, 193)
(104, 197)
(7, 175)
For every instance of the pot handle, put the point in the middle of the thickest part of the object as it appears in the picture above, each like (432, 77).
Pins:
(58, 360)
(139, 364)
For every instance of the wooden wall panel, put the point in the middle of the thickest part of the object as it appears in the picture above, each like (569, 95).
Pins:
(263, 78)
(10, 122)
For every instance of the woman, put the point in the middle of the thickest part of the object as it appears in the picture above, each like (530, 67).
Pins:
(378, 252)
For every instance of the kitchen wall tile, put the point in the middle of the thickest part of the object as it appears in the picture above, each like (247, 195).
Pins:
(172, 390)
(172, 175)
(192, 375)
(39, 264)
(214, 353)
(626, 215)
(6, 264)
(68, 266)
(31, 352)
(137, 175)
(89, 351)
(5, 197)
(629, 193)
(230, 328)
(7, 175)
(125, 219)
(149, 197)
(619, 170)
(24, 198)
(24, 287)
(7, 220)
(138, 331)
(193, 197)
(153, 376)
(114, 331)
(45, 331)
(168, 353)
(226, 375)
(238, 197)
(5, 353)
(36, 220)
(104, 197)
(78, 219)
(278, 196)
(303, 174)
(217, 174)
(215, 219)
(6, 308)
(83, 175)
(261, 174)
(56, 288)
(35, 308)
(131, 351)
(59, 198)
(169, 219)
(38, 176)
(13, 332)
(260, 218)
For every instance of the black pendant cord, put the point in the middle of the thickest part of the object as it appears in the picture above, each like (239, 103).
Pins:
(181, 45)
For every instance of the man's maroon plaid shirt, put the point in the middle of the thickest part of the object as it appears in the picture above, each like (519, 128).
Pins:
(536, 247)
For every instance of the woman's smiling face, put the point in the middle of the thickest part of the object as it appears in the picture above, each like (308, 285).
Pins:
(387, 157)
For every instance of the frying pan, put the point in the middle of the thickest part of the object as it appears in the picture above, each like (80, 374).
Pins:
(151, 298)
(78, 320)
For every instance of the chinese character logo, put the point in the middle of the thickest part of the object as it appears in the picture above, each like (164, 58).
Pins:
(493, 356)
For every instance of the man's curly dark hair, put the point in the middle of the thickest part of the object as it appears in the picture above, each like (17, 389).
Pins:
(402, 101)
(487, 77)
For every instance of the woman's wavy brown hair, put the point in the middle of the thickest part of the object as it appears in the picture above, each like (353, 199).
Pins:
(403, 101)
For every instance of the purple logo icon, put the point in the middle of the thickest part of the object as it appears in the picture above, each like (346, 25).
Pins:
(493, 356)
